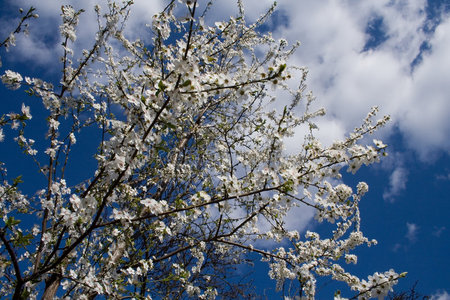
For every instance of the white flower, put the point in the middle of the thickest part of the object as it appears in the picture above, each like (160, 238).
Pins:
(12, 39)
(351, 258)
(75, 201)
(192, 290)
(51, 152)
(35, 231)
(200, 197)
(70, 19)
(73, 140)
(68, 12)
(121, 215)
(119, 162)
(362, 188)
(46, 238)
(12, 79)
(69, 217)
(54, 124)
(155, 207)
(379, 144)
(220, 25)
(26, 111)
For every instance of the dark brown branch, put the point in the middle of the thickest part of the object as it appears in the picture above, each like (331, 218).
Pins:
(13, 257)
(28, 15)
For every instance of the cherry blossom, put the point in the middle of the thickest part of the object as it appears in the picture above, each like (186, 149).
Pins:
(190, 161)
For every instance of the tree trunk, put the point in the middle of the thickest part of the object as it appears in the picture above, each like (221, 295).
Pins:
(51, 286)
(18, 292)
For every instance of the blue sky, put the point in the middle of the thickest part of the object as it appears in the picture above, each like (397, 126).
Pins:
(390, 53)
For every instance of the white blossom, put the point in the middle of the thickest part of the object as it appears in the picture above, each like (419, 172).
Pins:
(26, 111)
(12, 80)
(191, 168)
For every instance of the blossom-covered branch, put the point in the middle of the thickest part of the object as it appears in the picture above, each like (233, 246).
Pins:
(191, 174)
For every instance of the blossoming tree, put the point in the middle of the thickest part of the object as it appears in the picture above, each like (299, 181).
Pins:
(190, 166)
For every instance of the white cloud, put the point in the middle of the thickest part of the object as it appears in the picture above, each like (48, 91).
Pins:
(444, 177)
(441, 295)
(347, 80)
(438, 231)
(397, 183)
(43, 45)
(397, 247)
(412, 230)
(299, 218)
(411, 234)
(223, 9)
(425, 120)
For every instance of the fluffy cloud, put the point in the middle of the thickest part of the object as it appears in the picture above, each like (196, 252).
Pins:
(397, 183)
(43, 44)
(441, 295)
(348, 78)
(425, 120)
(411, 234)
(438, 231)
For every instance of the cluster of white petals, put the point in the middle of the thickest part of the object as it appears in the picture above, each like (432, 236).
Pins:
(12, 79)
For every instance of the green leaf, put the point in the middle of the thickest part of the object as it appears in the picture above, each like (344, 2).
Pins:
(161, 85)
(12, 222)
(179, 203)
(170, 125)
(186, 83)
(22, 240)
(17, 180)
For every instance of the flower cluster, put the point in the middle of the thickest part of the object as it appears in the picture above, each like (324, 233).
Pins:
(12, 79)
(191, 169)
